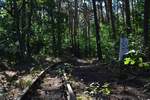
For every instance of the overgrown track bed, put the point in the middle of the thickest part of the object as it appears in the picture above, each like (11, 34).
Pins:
(120, 86)
(47, 86)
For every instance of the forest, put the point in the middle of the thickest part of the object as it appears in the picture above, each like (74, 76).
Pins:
(74, 49)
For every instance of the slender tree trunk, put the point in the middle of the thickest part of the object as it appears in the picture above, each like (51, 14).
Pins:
(122, 12)
(132, 3)
(128, 19)
(59, 35)
(99, 52)
(29, 27)
(146, 20)
(23, 28)
(53, 34)
(86, 40)
(107, 11)
(70, 22)
(133, 15)
(112, 19)
(76, 40)
(89, 40)
(20, 53)
(117, 14)
(101, 15)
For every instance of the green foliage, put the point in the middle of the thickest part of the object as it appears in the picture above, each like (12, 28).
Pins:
(34, 72)
(136, 42)
(94, 89)
(107, 43)
(50, 32)
(144, 65)
(133, 58)
(84, 97)
(24, 83)
(106, 89)
(128, 61)
(136, 59)
(65, 68)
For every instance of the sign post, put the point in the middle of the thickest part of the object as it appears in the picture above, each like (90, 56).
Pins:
(123, 47)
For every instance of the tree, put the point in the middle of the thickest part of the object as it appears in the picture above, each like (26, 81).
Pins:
(112, 19)
(107, 11)
(16, 13)
(146, 22)
(128, 19)
(76, 45)
(59, 32)
(29, 26)
(35, 27)
(99, 52)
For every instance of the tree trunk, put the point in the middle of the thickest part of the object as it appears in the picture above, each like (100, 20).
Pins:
(146, 20)
(118, 17)
(59, 32)
(128, 20)
(53, 34)
(99, 52)
(23, 27)
(101, 12)
(133, 15)
(20, 53)
(89, 40)
(122, 12)
(29, 28)
(112, 19)
(76, 40)
(70, 23)
(107, 11)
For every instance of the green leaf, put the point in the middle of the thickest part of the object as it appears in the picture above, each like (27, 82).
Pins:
(140, 60)
(146, 65)
(127, 61)
(132, 62)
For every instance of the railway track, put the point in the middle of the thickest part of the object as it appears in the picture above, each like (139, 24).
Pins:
(49, 85)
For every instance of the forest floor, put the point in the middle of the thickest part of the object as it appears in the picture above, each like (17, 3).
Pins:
(13, 80)
(124, 84)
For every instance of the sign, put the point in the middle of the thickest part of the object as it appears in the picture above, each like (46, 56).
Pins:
(2, 3)
(123, 47)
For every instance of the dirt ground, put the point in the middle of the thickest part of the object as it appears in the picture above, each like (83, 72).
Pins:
(123, 84)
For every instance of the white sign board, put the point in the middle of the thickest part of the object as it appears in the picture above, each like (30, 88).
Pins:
(123, 47)
(1, 3)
